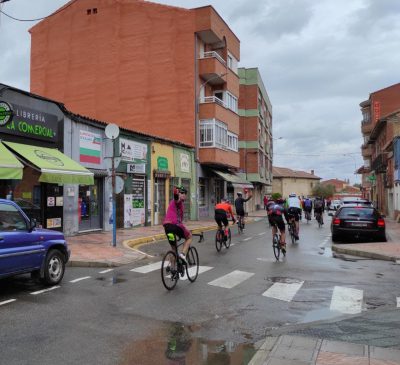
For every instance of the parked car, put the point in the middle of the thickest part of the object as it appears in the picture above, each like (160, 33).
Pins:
(357, 221)
(30, 209)
(335, 204)
(27, 249)
(352, 200)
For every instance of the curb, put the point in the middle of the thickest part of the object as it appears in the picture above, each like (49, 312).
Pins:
(80, 263)
(371, 255)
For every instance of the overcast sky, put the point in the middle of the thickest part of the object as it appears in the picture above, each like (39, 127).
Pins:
(318, 61)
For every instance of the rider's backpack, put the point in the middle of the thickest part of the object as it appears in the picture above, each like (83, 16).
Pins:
(307, 203)
(318, 204)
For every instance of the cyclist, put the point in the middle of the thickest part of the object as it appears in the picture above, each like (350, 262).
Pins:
(276, 211)
(173, 220)
(319, 208)
(221, 214)
(239, 205)
(294, 209)
(308, 208)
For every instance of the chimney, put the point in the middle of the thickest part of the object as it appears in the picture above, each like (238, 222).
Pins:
(312, 172)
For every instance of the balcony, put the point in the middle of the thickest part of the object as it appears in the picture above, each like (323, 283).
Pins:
(216, 156)
(211, 67)
(366, 150)
(379, 164)
(214, 108)
(366, 128)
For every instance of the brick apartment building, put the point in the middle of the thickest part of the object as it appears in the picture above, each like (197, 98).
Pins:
(342, 188)
(380, 131)
(166, 71)
(255, 138)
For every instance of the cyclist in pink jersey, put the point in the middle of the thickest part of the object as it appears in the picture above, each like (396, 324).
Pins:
(173, 221)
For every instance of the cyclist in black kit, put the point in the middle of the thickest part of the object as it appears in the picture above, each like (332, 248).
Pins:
(239, 205)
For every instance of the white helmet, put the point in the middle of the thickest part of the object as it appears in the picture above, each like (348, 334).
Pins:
(292, 195)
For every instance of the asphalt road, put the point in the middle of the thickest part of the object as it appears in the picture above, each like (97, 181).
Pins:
(120, 316)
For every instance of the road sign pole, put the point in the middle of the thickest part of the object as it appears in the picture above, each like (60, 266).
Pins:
(114, 208)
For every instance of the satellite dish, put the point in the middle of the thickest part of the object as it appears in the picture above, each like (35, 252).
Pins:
(112, 131)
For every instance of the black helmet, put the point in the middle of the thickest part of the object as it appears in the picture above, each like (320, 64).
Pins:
(180, 189)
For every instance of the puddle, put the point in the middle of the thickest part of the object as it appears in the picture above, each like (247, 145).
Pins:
(320, 314)
(282, 279)
(115, 279)
(176, 344)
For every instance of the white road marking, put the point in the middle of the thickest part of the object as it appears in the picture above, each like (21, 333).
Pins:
(258, 219)
(398, 301)
(193, 269)
(105, 271)
(141, 252)
(261, 234)
(248, 238)
(79, 279)
(232, 279)
(266, 259)
(283, 291)
(346, 300)
(7, 301)
(45, 290)
(148, 268)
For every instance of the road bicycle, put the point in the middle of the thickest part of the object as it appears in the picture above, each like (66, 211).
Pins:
(173, 266)
(307, 215)
(318, 217)
(222, 238)
(292, 229)
(240, 224)
(276, 243)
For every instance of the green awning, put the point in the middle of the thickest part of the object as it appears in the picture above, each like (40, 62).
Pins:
(236, 181)
(55, 167)
(10, 167)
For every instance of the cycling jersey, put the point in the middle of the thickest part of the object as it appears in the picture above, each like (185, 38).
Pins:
(225, 207)
(294, 202)
(239, 205)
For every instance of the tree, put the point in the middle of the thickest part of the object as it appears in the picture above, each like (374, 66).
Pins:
(276, 196)
(324, 191)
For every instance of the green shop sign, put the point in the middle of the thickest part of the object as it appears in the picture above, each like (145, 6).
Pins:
(162, 163)
(32, 124)
(6, 113)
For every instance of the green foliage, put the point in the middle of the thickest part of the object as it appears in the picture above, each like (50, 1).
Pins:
(325, 191)
(275, 196)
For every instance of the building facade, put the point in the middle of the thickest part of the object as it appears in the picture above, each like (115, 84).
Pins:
(255, 138)
(378, 134)
(287, 181)
(170, 72)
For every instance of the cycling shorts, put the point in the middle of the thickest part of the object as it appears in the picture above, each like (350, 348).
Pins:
(277, 220)
(179, 230)
(221, 217)
(295, 212)
(240, 212)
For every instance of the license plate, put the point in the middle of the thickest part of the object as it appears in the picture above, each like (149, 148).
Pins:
(359, 224)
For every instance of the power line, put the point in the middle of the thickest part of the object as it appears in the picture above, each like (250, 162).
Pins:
(317, 155)
(34, 20)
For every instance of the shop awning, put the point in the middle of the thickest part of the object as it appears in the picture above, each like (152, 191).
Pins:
(55, 167)
(10, 167)
(234, 179)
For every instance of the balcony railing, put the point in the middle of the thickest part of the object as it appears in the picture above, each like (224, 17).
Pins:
(379, 164)
(213, 54)
(213, 99)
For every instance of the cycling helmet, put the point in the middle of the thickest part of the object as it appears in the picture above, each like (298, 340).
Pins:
(239, 193)
(280, 201)
(180, 189)
(292, 195)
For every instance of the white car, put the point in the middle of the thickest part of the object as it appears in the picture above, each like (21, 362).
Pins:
(335, 204)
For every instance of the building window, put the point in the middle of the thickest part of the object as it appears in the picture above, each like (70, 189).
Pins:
(206, 133)
(231, 102)
(232, 62)
(214, 133)
(232, 142)
(202, 192)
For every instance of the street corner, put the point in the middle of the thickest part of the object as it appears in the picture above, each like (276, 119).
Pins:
(376, 252)
(135, 243)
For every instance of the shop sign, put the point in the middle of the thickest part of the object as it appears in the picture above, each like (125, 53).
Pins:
(53, 223)
(132, 151)
(134, 204)
(377, 110)
(89, 147)
(6, 113)
(31, 123)
(162, 163)
(139, 168)
(185, 165)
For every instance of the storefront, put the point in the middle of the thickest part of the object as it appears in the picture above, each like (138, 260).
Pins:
(135, 168)
(34, 139)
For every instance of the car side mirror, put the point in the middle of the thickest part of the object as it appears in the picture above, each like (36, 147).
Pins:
(32, 224)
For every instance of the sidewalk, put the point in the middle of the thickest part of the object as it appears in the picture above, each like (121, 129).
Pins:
(298, 350)
(94, 249)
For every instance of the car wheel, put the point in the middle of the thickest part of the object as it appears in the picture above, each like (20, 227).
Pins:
(54, 267)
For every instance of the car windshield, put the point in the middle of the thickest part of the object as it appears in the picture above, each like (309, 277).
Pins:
(357, 212)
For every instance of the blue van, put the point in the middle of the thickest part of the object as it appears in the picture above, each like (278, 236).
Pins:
(27, 249)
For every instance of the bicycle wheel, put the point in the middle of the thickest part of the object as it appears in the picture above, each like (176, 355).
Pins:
(227, 242)
(292, 233)
(192, 267)
(276, 246)
(219, 236)
(169, 270)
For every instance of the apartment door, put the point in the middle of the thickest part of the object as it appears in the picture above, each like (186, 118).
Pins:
(90, 206)
(159, 200)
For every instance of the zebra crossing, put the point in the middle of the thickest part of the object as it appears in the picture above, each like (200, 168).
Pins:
(344, 300)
